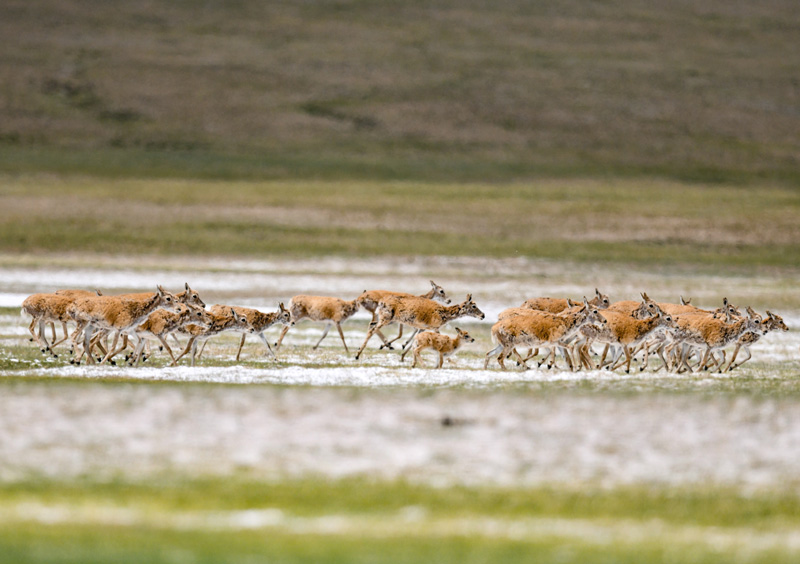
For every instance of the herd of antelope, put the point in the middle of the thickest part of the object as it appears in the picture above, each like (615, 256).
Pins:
(684, 337)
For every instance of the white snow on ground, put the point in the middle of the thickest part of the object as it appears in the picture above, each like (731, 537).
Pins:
(378, 417)
(504, 437)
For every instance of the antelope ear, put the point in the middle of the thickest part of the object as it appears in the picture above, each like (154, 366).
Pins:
(599, 295)
(187, 285)
(644, 296)
(770, 313)
(160, 289)
(469, 297)
(433, 283)
(585, 301)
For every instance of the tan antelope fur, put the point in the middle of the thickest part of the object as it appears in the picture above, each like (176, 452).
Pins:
(540, 329)
(188, 296)
(627, 332)
(227, 320)
(419, 313)
(51, 309)
(442, 344)
(161, 323)
(259, 322)
(711, 334)
(331, 311)
(370, 299)
(114, 313)
(557, 305)
(772, 323)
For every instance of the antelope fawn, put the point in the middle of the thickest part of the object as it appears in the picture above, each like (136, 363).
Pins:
(331, 311)
(442, 344)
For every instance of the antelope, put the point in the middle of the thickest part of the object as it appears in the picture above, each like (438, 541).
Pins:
(540, 329)
(369, 300)
(557, 305)
(331, 311)
(115, 313)
(442, 344)
(772, 323)
(420, 313)
(627, 332)
(225, 321)
(704, 330)
(50, 309)
(259, 322)
(188, 296)
(161, 323)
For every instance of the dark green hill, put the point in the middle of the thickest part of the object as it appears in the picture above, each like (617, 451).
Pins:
(451, 89)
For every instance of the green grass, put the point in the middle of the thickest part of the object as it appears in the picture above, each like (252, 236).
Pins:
(456, 90)
(655, 223)
(377, 521)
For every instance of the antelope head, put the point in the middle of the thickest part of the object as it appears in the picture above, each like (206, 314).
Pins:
(284, 316)
(465, 336)
(439, 294)
(469, 308)
(602, 299)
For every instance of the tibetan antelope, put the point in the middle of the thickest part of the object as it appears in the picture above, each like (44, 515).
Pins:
(419, 313)
(442, 344)
(114, 313)
(331, 311)
(540, 329)
(259, 321)
(626, 332)
(225, 321)
(188, 296)
(557, 305)
(51, 309)
(161, 323)
(772, 323)
(370, 299)
(710, 334)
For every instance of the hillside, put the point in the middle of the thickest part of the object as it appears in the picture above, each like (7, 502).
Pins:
(451, 90)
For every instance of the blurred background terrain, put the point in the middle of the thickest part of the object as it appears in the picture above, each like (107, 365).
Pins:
(446, 90)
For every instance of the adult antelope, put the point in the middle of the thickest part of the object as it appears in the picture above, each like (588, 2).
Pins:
(225, 321)
(710, 334)
(259, 322)
(557, 305)
(51, 309)
(626, 332)
(772, 323)
(370, 299)
(540, 329)
(419, 313)
(331, 311)
(115, 313)
(161, 323)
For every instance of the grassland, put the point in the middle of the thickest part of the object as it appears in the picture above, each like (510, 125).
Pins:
(362, 521)
(636, 145)
(455, 90)
(653, 223)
